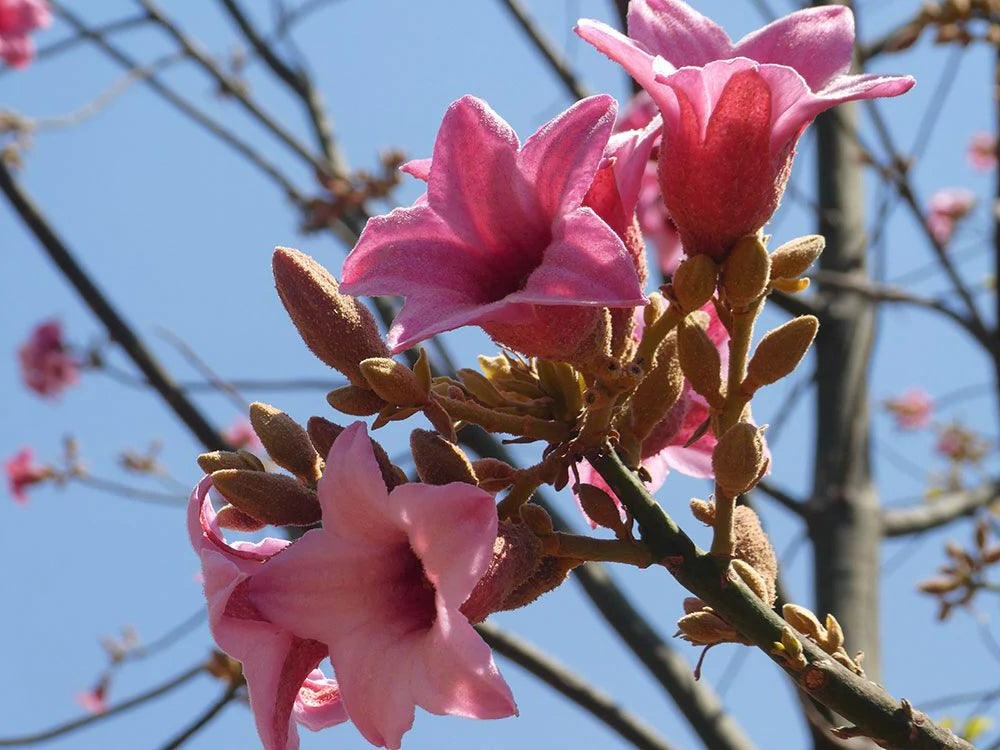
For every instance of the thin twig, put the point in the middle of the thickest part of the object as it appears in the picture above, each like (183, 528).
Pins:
(83, 721)
(132, 493)
(203, 720)
(784, 499)
(599, 705)
(944, 509)
(544, 47)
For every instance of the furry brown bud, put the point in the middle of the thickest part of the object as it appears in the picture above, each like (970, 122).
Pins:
(274, 499)
(394, 382)
(780, 351)
(241, 459)
(694, 282)
(439, 461)
(739, 459)
(746, 272)
(355, 401)
(793, 259)
(286, 442)
(699, 358)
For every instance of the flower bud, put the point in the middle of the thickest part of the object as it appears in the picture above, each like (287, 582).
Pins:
(599, 507)
(517, 553)
(274, 499)
(804, 621)
(240, 459)
(337, 328)
(286, 442)
(494, 475)
(659, 390)
(549, 574)
(322, 433)
(705, 628)
(793, 259)
(537, 519)
(739, 459)
(780, 351)
(394, 382)
(439, 461)
(355, 401)
(746, 272)
(699, 358)
(231, 517)
(694, 282)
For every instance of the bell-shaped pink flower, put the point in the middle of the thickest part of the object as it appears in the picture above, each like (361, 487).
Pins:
(945, 209)
(47, 366)
(502, 239)
(279, 666)
(380, 586)
(18, 18)
(732, 113)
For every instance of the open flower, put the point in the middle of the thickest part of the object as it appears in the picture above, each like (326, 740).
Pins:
(502, 239)
(982, 151)
(912, 409)
(946, 209)
(378, 588)
(18, 18)
(733, 113)
(47, 367)
(279, 666)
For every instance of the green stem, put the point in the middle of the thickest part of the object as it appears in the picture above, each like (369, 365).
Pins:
(495, 421)
(739, 350)
(859, 700)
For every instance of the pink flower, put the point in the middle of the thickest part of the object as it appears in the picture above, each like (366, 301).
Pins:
(94, 701)
(22, 472)
(732, 114)
(912, 410)
(945, 209)
(279, 666)
(982, 151)
(240, 434)
(502, 240)
(46, 365)
(18, 18)
(666, 448)
(378, 589)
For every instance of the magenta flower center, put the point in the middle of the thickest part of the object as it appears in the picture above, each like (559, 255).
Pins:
(411, 595)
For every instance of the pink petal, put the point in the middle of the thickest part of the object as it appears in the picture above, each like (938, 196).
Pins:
(419, 168)
(451, 529)
(560, 159)
(475, 184)
(586, 264)
(639, 63)
(816, 42)
(318, 704)
(677, 32)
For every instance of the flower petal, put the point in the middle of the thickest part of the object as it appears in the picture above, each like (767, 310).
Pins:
(816, 42)
(677, 31)
(318, 704)
(560, 159)
(639, 63)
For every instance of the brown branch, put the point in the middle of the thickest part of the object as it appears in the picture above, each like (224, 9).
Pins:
(599, 705)
(115, 710)
(115, 324)
(942, 510)
(784, 499)
(544, 47)
(227, 697)
(184, 106)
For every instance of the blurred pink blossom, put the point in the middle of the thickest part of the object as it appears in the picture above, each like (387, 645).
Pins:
(501, 240)
(18, 18)
(733, 113)
(94, 701)
(240, 434)
(945, 209)
(22, 472)
(47, 367)
(982, 151)
(912, 409)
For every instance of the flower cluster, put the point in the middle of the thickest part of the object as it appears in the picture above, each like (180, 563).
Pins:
(540, 244)
(18, 18)
(47, 366)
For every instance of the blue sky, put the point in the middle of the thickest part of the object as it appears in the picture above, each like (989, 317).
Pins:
(179, 231)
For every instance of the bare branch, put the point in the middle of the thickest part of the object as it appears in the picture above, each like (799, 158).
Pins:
(942, 510)
(602, 707)
(544, 47)
(784, 499)
(203, 720)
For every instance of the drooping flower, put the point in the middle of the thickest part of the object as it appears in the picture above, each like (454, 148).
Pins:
(18, 18)
(278, 665)
(95, 700)
(733, 113)
(982, 152)
(912, 410)
(47, 367)
(502, 240)
(22, 472)
(946, 209)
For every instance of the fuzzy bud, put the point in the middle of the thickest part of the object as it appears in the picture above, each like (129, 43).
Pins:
(804, 621)
(274, 499)
(705, 628)
(323, 432)
(793, 259)
(780, 351)
(739, 459)
(537, 519)
(754, 580)
(355, 401)
(394, 382)
(439, 461)
(699, 358)
(694, 282)
(599, 507)
(750, 543)
(550, 573)
(746, 272)
(660, 389)
(231, 517)
(337, 328)
(517, 553)
(286, 442)
(240, 459)
(494, 475)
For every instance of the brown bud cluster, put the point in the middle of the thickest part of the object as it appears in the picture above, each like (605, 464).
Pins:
(828, 636)
(966, 572)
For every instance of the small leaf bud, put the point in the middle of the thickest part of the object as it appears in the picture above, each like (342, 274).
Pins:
(793, 259)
